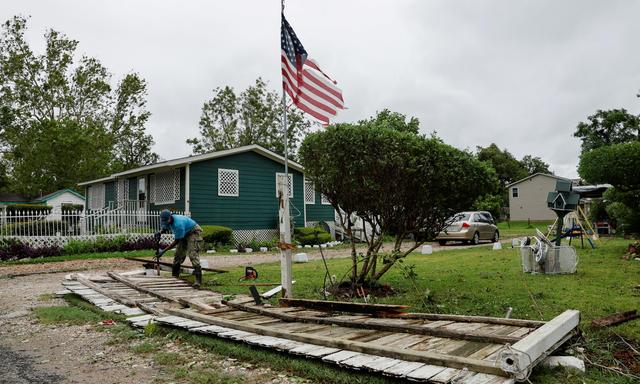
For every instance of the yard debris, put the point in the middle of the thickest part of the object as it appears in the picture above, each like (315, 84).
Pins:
(108, 322)
(564, 361)
(615, 319)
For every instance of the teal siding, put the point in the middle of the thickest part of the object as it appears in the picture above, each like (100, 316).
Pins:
(110, 193)
(256, 207)
(179, 204)
(319, 211)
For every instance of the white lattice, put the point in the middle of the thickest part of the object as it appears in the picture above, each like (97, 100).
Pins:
(324, 200)
(122, 190)
(96, 196)
(228, 182)
(309, 192)
(245, 236)
(165, 187)
(61, 241)
(279, 177)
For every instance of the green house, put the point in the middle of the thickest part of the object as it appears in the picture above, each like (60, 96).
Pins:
(235, 188)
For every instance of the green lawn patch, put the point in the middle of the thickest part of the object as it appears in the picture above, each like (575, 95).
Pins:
(510, 229)
(78, 312)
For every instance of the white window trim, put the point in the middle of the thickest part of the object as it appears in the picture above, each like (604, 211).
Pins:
(324, 200)
(517, 192)
(306, 182)
(278, 174)
(237, 173)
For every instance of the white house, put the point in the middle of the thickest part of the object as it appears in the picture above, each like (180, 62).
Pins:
(62, 197)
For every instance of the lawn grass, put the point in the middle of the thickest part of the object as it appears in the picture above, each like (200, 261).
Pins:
(510, 229)
(479, 281)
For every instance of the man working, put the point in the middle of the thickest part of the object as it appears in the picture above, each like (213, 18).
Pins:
(187, 238)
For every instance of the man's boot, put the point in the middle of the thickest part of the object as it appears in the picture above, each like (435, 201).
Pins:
(197, 272)
(175, 270)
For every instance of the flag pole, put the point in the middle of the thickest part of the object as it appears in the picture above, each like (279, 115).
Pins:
(285, 221)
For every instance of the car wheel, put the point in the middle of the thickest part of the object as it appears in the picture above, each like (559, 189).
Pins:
(496, 237)
(442, 242)
(476, 239)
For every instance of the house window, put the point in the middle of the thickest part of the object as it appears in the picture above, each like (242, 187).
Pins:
(164, 187)
(280, 176)
(309, 192)
(228, 182)
(324, 200)
(96, 196)
(514, 192)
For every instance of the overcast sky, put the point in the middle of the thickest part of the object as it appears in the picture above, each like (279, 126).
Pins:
(521, 74)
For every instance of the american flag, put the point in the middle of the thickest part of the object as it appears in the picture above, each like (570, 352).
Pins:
(310, 89)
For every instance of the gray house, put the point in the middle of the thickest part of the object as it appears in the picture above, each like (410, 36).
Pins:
(528, 197)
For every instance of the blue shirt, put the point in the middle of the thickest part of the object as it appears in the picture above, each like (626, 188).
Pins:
(181, 226)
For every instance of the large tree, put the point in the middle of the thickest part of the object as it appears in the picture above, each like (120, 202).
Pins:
(533, 165)
(507, 167)
(397, 181)
(62, 122)
(611, 154)
(608, 127)
(231, 120)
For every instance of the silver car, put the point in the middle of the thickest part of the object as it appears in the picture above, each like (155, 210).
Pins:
(469, 227)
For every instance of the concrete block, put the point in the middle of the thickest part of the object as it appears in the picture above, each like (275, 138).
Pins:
(497, 246)
(307, 246)
(264, 249)
(426, 250)
(564, 361)
(233, 250)
(300, 258)
(248, 250)
(211, 251)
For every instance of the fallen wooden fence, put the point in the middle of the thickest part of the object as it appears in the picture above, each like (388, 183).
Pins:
(382, 338)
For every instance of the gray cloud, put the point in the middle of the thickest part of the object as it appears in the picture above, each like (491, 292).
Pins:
(521, 74)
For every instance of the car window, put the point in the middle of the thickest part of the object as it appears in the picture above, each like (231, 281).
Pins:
(458, 217)
(476, 218)
(485, 218)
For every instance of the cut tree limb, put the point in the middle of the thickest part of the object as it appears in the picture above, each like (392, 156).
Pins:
(615, 319)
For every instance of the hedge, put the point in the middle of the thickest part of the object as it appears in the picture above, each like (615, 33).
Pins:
(28, 208)
(311, 236)
(217, 234)
(14, 249)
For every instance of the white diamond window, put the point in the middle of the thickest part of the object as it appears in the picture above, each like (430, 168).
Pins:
(324, 200)
(279, 177)
(309, 192)
(228, 182)
(165, 187)
(96, 196)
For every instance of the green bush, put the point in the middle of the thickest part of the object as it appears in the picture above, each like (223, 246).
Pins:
(27, 208)
(311, 235)
(216, 234)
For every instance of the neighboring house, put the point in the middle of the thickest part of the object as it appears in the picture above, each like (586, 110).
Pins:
(528, 197)
(235, 188)
(55, 199)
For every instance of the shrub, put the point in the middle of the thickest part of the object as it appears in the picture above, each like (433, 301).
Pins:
(27, 208)
(109, 244)
(13, 249)
(216, 234)
(311, 235)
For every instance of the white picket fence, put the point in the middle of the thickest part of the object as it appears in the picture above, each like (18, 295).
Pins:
(47, 228)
